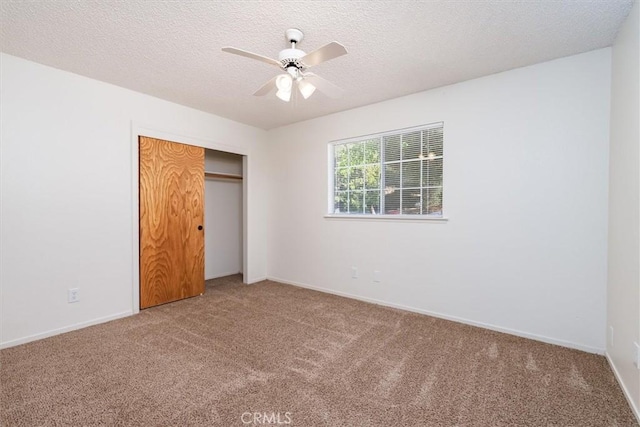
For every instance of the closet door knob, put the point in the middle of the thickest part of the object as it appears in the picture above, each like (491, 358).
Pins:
(199, 227)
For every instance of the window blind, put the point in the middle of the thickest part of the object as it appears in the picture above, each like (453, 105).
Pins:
(394, 173)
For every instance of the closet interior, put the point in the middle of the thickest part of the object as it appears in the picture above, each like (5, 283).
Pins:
(223, 214)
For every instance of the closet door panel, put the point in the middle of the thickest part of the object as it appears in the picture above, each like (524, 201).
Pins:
(171, 221)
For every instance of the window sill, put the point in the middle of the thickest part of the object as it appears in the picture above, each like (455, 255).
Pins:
(419, 218)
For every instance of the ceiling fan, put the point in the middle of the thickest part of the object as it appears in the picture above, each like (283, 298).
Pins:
(295, 63)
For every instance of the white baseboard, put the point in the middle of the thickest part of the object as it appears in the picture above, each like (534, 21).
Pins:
(522, 334)
(59, 331)
(217, 276)
(625, 390)
(256, 280)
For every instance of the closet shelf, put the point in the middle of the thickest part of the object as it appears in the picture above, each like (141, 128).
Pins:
(221, 175)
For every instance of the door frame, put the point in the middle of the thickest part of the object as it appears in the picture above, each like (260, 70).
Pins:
(137, 130)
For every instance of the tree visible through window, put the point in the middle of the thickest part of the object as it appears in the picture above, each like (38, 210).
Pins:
(395, 173)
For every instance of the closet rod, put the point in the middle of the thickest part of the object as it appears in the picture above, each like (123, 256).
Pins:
(222, 175)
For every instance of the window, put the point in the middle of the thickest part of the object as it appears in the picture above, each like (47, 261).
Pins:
(393, 173)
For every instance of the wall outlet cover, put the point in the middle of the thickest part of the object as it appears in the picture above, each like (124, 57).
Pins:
(376, 276)
(611, 336)
(73, 295)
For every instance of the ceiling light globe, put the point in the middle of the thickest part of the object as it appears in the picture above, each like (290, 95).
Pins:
(306, 88)
(284, 95)
(284, 82)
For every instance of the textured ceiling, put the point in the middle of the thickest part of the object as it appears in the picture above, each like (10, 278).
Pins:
(171, 50)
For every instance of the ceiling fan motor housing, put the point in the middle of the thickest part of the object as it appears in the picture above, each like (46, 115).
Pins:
(291, 58)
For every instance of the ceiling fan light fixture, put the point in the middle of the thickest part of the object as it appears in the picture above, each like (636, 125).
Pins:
(284, 82)
(306, 88)
(284, 95)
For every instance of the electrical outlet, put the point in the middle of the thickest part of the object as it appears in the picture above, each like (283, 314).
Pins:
(354, 272)
(73, 295)
(636, 355)
(376, 276)
(611, 336)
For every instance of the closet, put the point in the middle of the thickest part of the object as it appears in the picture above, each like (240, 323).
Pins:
(190, 204)
(223, 214)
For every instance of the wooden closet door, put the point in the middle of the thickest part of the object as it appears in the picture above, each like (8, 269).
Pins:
(171, 221)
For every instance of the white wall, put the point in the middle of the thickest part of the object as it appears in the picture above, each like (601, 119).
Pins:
(67, 194)
(623, 296)
(223, 216)
(526, 166)
(524, 249)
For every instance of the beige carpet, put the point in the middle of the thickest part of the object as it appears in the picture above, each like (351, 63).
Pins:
(302, 357)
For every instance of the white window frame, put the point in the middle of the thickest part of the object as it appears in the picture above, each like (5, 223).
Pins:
(385, 217)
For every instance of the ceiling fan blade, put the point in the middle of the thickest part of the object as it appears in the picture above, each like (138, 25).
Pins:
(323, 85)
(325, 53)
(266, 88)
(251, 55)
